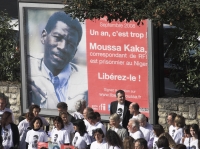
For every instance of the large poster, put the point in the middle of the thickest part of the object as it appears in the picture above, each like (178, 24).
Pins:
(64, 60)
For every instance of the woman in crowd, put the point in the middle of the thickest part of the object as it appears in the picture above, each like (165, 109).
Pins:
(68, 126)
(59, 135)
(192, 142)
(115, 126)
(99, 137)
(113, 140)
(159, 131)
(128, 143)
(81, 138)
(79, 106)
(180, 146)
(186, 131)
(24, 127)
(178, 130)
(9, 131)
(163, 142)
(36, 134)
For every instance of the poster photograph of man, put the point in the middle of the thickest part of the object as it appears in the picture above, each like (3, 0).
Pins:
(56, 58)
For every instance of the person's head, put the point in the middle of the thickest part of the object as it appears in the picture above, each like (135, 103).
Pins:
(98, 135)
(171, 118)
(92, 118)
(113, 138)
(80, 105)
(29, 116)
(158, 130)
(179, 121)
(186, 131)
(162, 142)
(6, 119)
(35, 109)
(64, 117)
(62, 107)
(98, 116)
(142, 120)
(140, 144)
(120, 94)
(58, 122)
(2, 101)
(114, 120)
(180, 146)
(134, 108)
(60, 38)
(194, 130)
(36, 123)
(128, 142)
(86, 111)
(79, 126)
(133, 125)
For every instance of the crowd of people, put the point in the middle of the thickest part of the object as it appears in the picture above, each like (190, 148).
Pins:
(83, 129)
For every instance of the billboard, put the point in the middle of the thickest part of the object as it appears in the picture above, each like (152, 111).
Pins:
(103, 58)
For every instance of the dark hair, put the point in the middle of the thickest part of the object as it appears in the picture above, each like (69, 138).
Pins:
(89, 109)
(29, 116)
(158, 129)
(180, 146)
(81, 126)
(113, 138)
(97, 114)
(173, 115)
(195, 127)
(33, 121)
(180, 121)
(120, 91)
(136, 106)
(99, 130)
(187, 129)
(4, 118)
(33, 107)
(162, 142)
(2, 96)
(59, 120)
(36, 136)
(142, 142)
(128, 142)
(65, 18)
(62, 105)
(92, 116)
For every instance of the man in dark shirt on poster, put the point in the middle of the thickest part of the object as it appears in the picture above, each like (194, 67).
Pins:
(121, 107)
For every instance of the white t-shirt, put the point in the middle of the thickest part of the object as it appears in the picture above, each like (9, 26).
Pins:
(135, 116)
(120, 111)
(136, 135)
(107, 146)
(69, 127)
(81, 142)
(148, 135)
(22, 127)
(7, 137)
(9, 110)
(33, 137)
(178, 134)
(93, 127)
(191, 144)
(60, 136)
(154, 143)
(96, 145)
(172, 130)
(87, 124)
(78, 115)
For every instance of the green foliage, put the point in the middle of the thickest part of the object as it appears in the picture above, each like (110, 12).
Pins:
(184, 14)
(9, 54)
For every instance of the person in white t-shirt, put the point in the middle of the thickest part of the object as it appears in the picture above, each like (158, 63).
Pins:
(94, 124)
(68, 126)
(79, 106)
(113, 140)
(134, 129)
(3, 103)
(170, 122)
(81, 138)
(186, 132)
(24, 127)
(85, 112)
(59, 135)
(36, 134)
(179, 124)
(134, 109)
(99, 137)
(147, 129)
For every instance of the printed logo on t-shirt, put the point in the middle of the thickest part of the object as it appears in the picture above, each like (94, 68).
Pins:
(55, 139)
(35, 141)
(119, 112)
(75, 139)
(6, 135)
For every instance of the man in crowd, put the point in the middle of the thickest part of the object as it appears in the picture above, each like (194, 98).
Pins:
(134, 109)
(146, 129)
(170, 120)
(52, 77)
(86, 111)
(62, 107)
(134, 129)
(121, 108)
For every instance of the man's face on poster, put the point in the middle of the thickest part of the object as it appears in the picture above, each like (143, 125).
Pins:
(60, 46)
